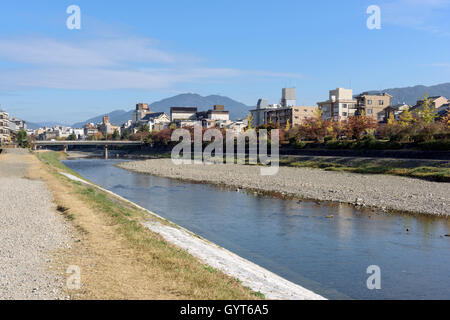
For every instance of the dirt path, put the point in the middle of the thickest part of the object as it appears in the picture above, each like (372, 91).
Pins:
(30, 233)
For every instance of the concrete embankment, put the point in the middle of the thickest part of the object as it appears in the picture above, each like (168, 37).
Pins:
(380, 191)
(30, 231)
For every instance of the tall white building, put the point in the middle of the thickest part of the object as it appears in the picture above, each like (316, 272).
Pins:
(4, 127)
(288, 97)
(339, 106)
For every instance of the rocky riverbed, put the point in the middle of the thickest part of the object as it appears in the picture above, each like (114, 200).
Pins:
(380, 191)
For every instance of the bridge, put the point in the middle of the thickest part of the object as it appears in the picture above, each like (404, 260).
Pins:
(105, 144)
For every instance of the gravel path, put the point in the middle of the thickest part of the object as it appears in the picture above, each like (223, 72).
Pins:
(30, 230)
(382, 191)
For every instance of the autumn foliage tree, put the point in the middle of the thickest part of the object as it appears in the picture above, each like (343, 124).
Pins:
(358, 125)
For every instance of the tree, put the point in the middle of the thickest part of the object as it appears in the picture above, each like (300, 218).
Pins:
(250, 122)
(116, 135)
(406, 117)
(144, 128)
(288, 126)
(357, 125)
(313, 129)
(22, 140)
(72, 137)
(427, 112)
(126, 134)
(318, 113)
(391, 119)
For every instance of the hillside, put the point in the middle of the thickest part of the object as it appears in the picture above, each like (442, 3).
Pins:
(237, 109)
(410, 95)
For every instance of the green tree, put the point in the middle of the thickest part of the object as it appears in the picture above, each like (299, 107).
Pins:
(116, 135)
(427, 113)
(22, 140)
(72, 137)
(126, 134)
(144, 128)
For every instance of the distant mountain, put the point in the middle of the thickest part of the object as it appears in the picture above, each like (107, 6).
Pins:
(410, 95)
(237, 109)
(117, 117)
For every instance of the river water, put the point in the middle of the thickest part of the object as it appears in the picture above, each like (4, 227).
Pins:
(299, 240)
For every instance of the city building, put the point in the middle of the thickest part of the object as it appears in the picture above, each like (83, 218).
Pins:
(5, 136)
(142, 109)
(436, 102)
(183, 113)
(107, 128)
(90, 129)
(442, 111)
(156, 121)
(236, 127)
(294, 115)
(288, 97)
(18, 124)
(396, 110)
(259, 115)
(214, 117)
(339, 106)
(373, 105)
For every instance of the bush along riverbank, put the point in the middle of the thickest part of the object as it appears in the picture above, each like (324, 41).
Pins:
(119, 257)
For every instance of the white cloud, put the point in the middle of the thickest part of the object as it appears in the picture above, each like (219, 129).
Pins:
(104, 52)
(107, 63)
(423, 15)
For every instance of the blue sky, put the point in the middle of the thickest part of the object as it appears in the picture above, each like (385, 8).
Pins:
(130, 51)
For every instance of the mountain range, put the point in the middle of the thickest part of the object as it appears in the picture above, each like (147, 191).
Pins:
(410, 95)
(239, 110)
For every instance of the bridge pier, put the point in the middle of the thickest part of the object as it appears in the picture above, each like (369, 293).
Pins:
(65, 148)
(106, 152)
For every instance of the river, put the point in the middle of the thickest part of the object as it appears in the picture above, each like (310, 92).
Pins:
(299, 240)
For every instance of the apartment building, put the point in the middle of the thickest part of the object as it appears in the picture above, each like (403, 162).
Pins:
(215, 116)
(294, 115)
(339, 106)
(436, 101)
(4, 127)
(156, 121)
(107, 128)
(288, 97)
(396, 111)
(259, 115)
(373, 105)
(142, 109)
(183, 113)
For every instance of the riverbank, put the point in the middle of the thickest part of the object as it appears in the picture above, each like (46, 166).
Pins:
(385, 192)
(119, 235)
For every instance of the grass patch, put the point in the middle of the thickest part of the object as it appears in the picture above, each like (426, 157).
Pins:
(53, 159)
(422, 169)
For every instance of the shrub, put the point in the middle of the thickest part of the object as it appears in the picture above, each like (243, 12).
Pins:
(436, 145)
